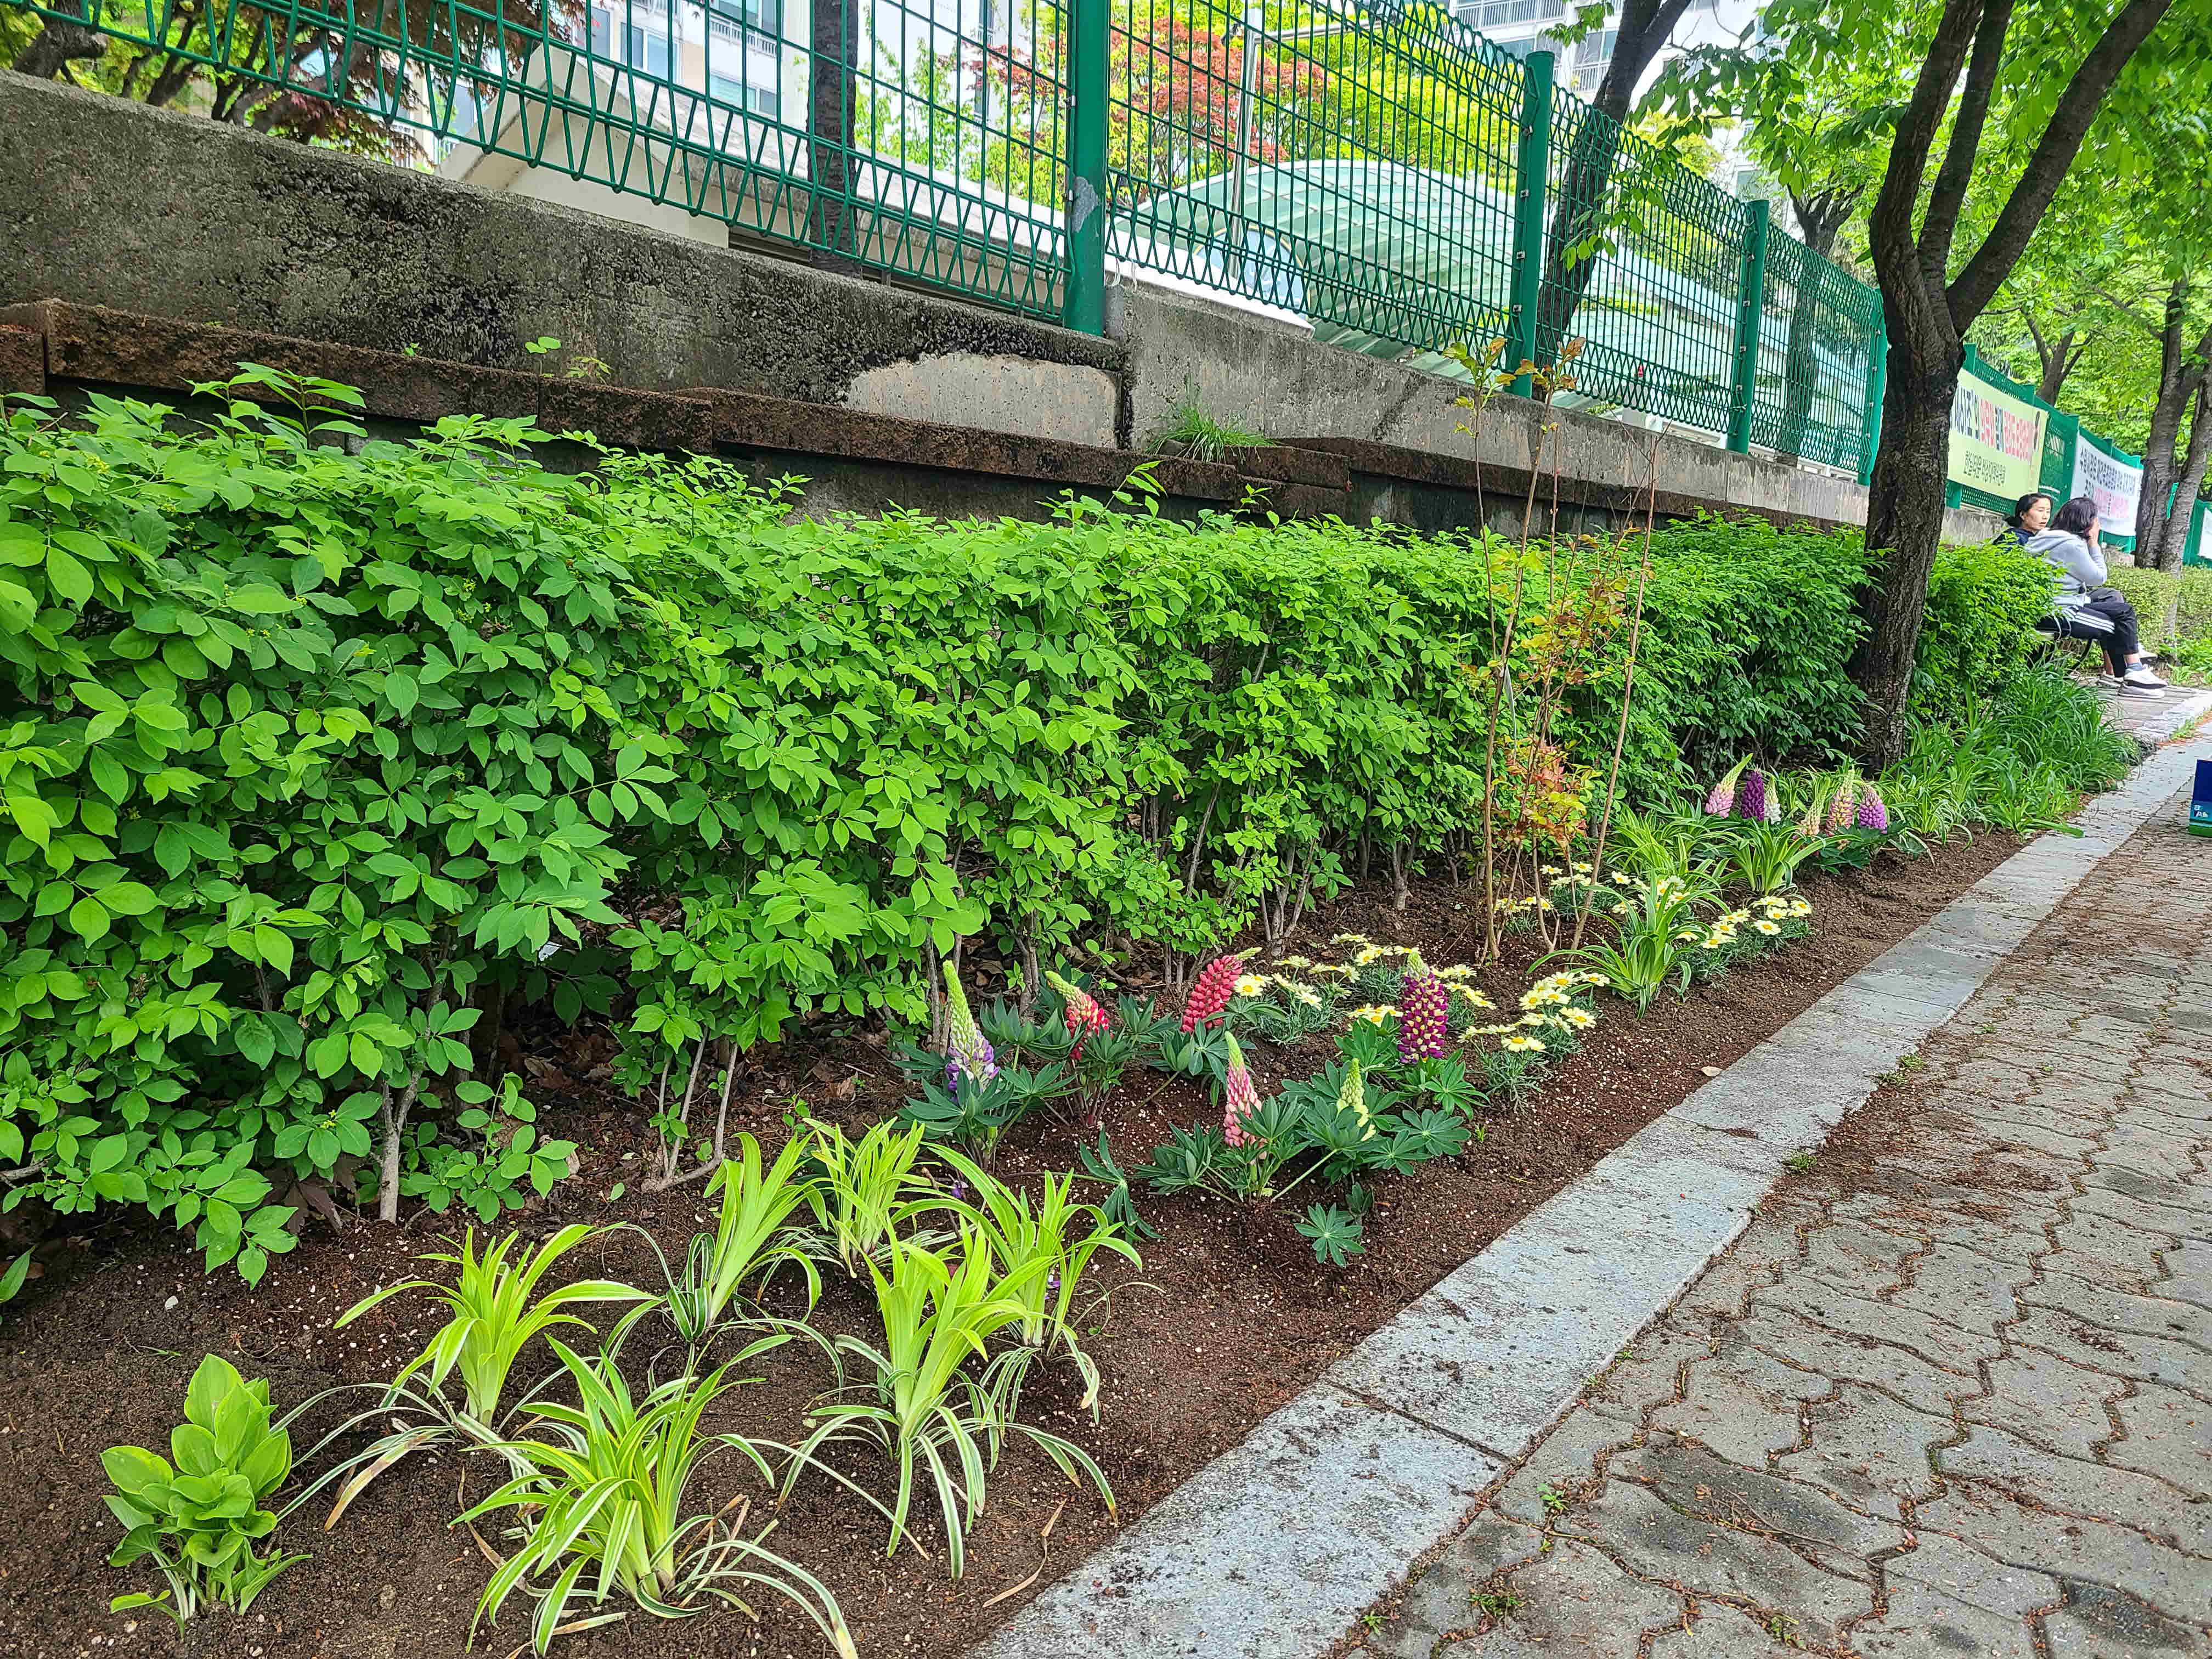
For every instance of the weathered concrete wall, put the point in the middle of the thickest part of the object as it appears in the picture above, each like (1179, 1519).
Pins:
(1267, 374)
(106, 203)
(110, 202)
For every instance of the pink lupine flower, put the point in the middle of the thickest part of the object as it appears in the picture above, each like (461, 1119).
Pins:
(1873, 814)
(1424, 1008)
(1085, 1019)
(1721, 801)
(1240, 1099)
(1209, 996)
(1842, 810)
(966, 1051)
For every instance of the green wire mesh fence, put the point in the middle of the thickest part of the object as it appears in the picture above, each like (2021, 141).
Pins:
(1642, 263)
(1357, 171)
(924, 140)
(1817, 333)
(1357, 167)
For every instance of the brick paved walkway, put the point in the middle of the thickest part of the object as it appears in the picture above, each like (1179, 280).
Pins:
(1952, 1394)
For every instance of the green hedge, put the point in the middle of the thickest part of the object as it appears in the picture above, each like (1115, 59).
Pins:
(1979, 631)
(2175, 607)
(314, 757)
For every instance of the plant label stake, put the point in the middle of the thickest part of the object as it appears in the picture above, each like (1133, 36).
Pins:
(2200, 801)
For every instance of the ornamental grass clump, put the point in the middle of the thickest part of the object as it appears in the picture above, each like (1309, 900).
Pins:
(1423, 1014)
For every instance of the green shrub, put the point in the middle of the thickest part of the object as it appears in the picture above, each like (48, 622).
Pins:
(1746, 630)
(2175, 607)
(1979, 632)
(315, 759)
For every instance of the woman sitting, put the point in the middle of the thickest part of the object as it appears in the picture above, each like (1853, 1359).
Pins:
(2030, 514)
(2082, 607)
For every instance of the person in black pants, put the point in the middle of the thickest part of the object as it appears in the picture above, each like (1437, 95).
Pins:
(2082, 607)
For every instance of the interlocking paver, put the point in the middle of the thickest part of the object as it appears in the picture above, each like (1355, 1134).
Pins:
(2097, 1623)
(2169, 1434)
(1952, 1396)
(1870, 1451)
(2044, 1400)
(1920, 1622)
(1573, 1599)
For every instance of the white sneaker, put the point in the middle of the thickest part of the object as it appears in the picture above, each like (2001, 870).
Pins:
(2136, 689)
(2142, 679)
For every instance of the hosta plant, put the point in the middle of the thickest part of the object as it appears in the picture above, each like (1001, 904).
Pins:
(604, 1508)
(197, 1514)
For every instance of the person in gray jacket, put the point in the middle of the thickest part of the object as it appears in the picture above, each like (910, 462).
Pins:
(2081, 606)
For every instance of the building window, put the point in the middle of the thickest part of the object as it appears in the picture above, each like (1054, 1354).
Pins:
(632, 42)
(741, 54)
(1487, 15)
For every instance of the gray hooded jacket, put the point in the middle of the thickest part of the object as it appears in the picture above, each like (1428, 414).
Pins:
(2081, 566)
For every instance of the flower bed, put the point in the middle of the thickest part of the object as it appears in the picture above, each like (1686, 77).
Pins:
(1231, 1313)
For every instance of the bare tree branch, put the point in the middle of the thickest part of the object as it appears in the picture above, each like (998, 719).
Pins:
(1978, 283)
(1948, 197)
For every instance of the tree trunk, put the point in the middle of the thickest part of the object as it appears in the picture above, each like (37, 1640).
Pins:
(1904, 520)
(58, 44)
(2172, 545)
(2174, 385)
(2058, 363)
(1643, 27)
(833, 99)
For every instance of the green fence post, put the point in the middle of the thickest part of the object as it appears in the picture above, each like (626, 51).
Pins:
(1533, 163)
(1085, 307)
(1750, 308)
(1877, 385)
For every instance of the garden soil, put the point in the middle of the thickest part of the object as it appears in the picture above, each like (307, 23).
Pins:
(1227, 1319)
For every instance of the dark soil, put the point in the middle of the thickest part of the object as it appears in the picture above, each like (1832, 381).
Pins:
(1228, 1319)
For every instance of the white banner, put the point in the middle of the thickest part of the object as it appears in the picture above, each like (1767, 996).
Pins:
(2115, 486)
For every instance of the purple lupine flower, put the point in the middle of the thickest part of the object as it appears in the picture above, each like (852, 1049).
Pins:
(1052, 1283)
(1873, 814)
(1750, 800)
(966, 1053)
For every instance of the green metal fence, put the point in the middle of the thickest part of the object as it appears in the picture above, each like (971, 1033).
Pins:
(1377, 170)
(922, 139)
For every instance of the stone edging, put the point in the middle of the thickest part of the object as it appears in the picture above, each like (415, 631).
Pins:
(1273, 1550)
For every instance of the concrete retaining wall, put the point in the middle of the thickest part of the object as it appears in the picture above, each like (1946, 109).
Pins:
(152, 213)
(111, 204)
